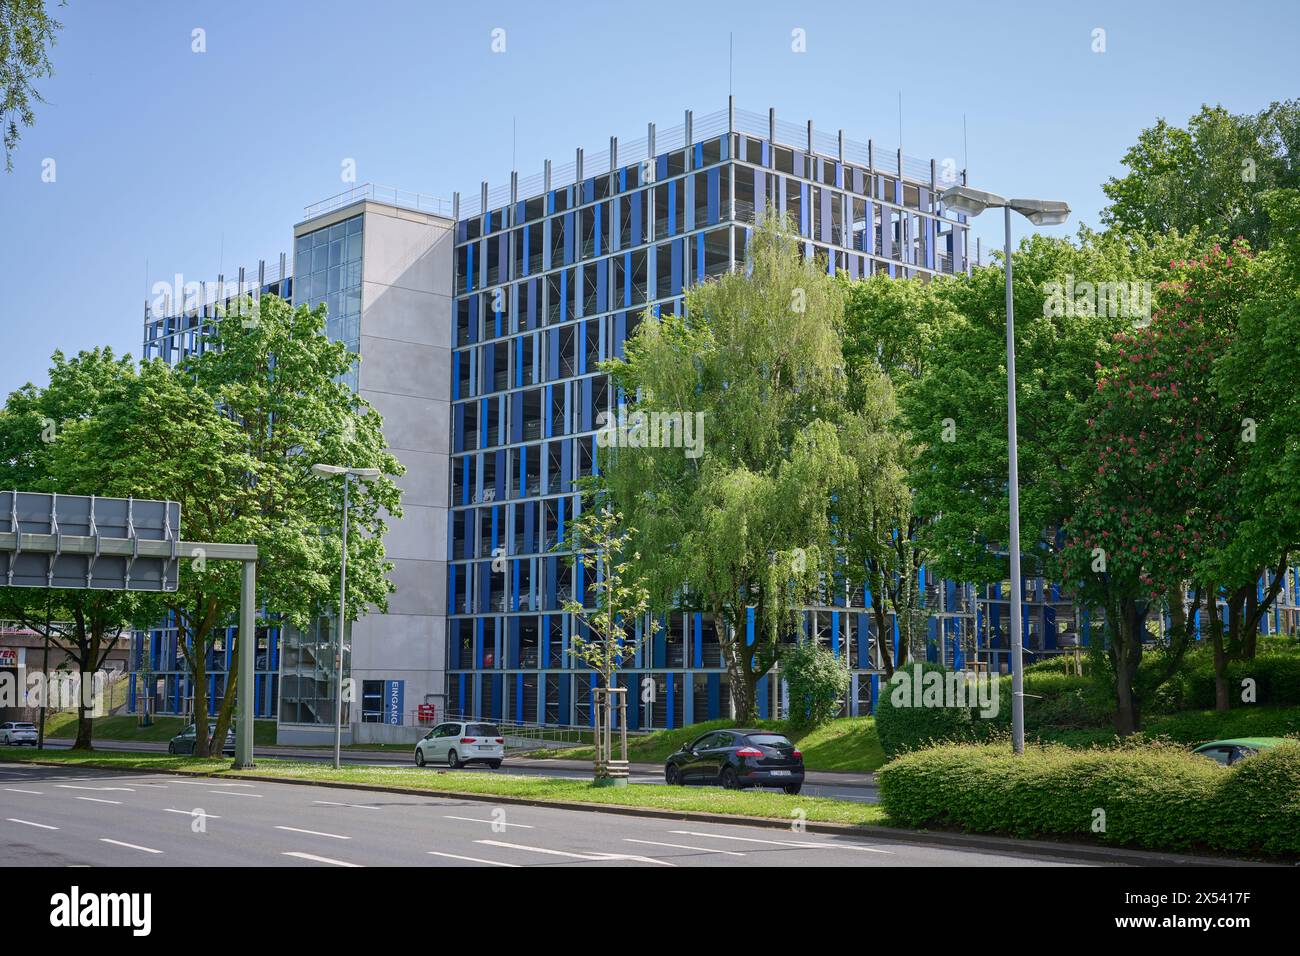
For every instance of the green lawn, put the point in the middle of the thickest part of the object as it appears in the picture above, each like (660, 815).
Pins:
(764, 804)
(848, 743)
(127, 727)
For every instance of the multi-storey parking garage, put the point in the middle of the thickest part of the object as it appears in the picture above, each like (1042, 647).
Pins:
(480, 325)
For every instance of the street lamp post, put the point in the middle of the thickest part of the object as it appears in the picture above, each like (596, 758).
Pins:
(328, 471)
(1041, 212)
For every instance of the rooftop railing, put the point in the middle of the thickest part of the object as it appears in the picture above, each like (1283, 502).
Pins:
(616, 153)
(405, 198)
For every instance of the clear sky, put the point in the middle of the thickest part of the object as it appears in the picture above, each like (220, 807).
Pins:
(167, 160)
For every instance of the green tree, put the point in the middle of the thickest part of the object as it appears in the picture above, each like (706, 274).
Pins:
(600, 543)
(27, 33)
(1258, 377)
(1209, 177)
(746, 524)
(818, 681)
(1068, 311)
(232, 434)
(889, 333)
(39, 451)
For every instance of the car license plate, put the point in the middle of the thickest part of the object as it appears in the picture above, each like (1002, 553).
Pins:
(780, 773)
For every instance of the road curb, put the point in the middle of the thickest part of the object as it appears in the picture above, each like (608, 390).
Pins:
(939, 838)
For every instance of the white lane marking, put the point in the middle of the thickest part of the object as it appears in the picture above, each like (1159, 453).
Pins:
(818, 846)
(472, 859)
(682, 846)
(129, 846)
(193, 813)
(600, 857)
(320, 859)
(334, 836)
(235, 793)
(208, 783)
(36, 793)
(334, 803)
(69, 786)
(116, 803)
(522, 826)
(43, 826)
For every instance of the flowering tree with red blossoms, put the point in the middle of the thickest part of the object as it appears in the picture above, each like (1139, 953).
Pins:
(1165, 455)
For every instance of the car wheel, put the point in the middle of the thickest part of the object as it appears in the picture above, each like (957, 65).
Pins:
(419, 756)
(171, 749)
(453, 760)
(793, 788)
(729, 779)
(494, 764)
(672, 776)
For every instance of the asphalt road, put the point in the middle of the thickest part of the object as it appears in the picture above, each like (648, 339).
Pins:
(856, 787)
(64, 816)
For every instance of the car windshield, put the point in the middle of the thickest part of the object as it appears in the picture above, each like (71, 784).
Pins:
(769, 740)
(24, 726)
(482, 730)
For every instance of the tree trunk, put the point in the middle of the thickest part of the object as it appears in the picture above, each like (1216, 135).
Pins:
(228, 701)
(745, 691)
(1220, 652)
(1127, 658)
(84, 713)
(199, 675)
(885, 648)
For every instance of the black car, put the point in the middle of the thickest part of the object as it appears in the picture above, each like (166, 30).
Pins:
(736, 759)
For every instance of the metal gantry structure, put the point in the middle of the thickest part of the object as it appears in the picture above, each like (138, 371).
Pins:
(54, 548)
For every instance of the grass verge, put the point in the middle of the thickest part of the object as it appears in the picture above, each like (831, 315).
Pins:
(846, 744)
(127, 727)
(756, 804)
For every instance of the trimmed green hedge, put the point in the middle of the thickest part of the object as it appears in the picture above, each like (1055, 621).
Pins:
(1055, 701)
(904, 728)
(1155, 796)
(1276, 674)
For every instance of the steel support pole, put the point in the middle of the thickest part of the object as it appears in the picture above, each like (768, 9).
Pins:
(247, 661)
(338, 637)
(1013, 543)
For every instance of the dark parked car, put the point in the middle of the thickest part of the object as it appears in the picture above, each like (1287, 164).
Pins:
(186, 740)
(736, 759)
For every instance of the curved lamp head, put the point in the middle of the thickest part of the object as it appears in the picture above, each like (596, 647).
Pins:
(1042, 212)
(326, 471)
(970, 201)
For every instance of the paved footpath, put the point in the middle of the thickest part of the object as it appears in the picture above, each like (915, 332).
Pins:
(66, 816)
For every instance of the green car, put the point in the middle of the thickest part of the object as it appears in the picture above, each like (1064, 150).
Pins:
(1231, 751)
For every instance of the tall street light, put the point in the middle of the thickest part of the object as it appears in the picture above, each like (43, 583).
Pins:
(1041, 212)
(364, 474)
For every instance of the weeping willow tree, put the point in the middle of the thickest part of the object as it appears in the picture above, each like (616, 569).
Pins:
(738, 522)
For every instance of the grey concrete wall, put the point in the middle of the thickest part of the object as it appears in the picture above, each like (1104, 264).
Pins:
(405, 373)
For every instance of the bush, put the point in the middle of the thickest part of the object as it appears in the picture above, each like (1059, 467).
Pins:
(903, 725)
(1156, 796)
(817, 682)
(1276, 675)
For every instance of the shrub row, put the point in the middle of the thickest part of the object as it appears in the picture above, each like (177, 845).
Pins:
(1276, 674)
(1055, 701)
(1152, 796)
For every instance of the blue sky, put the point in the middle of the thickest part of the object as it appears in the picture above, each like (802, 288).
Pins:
(168, 161)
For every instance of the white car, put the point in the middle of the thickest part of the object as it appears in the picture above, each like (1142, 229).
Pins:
(458, 743)
(15, 734)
